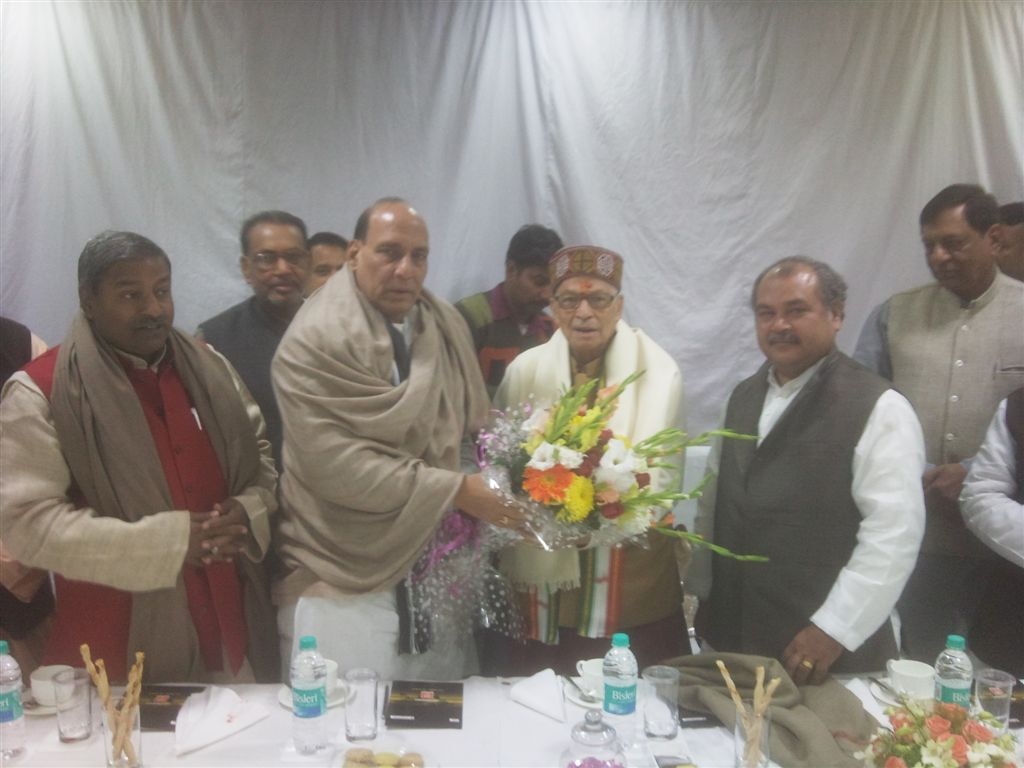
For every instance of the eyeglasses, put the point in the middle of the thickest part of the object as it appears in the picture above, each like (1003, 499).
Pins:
(597, 301)
(267, 259)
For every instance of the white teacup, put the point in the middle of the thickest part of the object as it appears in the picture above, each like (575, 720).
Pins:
(591, 672)
(912, 678)
(41, 682)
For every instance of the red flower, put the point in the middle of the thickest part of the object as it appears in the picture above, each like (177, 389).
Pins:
(895, 762)
(643, 479)
(937, 726)
(547, 486)
(591, 460)
(959, 748)
(613, 510)
(974, 731)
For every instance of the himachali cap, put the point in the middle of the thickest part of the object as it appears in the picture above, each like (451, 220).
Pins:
(585, 261)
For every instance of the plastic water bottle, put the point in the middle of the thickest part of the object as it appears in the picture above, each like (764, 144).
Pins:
(954, 674)
(620, 677)
(12, 716)
(309, 698)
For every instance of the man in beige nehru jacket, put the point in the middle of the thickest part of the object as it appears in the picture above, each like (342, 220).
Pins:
(614, 589)
(955, 348)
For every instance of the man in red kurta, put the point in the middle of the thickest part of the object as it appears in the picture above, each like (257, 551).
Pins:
(133, 470)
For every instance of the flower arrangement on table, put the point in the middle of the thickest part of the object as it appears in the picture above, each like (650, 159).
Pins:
(582, 484)
(941, 735)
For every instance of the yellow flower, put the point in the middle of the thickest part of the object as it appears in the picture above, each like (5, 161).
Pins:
(587, 429)
(579, 499)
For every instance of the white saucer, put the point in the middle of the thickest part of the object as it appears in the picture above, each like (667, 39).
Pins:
(32, 708)
(336, 698)
(881, 694)
(574, 696)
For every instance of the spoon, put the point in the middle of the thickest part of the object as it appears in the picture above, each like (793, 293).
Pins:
(588, 696)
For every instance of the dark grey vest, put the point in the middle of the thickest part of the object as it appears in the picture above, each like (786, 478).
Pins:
(789, 499)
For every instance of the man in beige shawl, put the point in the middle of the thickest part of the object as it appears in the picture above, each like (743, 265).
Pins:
(135, 471)
(378, 383)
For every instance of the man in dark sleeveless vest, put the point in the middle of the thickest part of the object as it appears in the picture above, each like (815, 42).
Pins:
(275, 263)
(992, 503)
(134, 471)
(829, 492)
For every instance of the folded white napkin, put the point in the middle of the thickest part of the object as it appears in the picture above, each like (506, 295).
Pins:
(541, 692)
(212, 715)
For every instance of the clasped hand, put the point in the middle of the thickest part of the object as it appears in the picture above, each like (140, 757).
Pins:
(218, 535)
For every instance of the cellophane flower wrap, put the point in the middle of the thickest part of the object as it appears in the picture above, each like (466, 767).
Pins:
(927, 734)
(581, 484)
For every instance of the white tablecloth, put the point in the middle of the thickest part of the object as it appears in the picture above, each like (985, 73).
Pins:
(496, 732)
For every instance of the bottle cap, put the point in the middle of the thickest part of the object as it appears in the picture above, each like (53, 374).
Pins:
(3, 647)
(956, 642)
(307, 643)
(620, 640)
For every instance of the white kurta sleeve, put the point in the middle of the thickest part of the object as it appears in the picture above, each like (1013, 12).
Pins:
(987, 501)
(43, 528)
(887, 466)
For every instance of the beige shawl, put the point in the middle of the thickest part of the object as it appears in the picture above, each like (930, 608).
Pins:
(813, 726)
(370, 468)
(109, 449)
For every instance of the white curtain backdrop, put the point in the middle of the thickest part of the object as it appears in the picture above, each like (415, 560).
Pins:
(701, 140)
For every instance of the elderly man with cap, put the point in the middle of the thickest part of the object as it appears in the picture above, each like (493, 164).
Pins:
(622, 589)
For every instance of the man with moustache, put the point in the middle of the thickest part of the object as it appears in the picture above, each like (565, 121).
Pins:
(955, 348)
(510, 317)
(573, 602)
(378, 385)
(836, 464)
(275, 263)
(328, 253)
(134, 470)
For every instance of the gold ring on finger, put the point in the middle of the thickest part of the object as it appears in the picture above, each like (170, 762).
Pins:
(807, 664)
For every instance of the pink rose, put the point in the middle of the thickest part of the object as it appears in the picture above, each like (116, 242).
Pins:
(974, 732)
(959, 748)
(895, 762)
(937, 726)
(900, 719)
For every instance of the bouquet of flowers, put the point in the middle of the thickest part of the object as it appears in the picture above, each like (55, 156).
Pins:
(582, 484)
(943, 736)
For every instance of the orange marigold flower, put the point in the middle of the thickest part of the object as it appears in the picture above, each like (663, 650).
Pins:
(895, 762)
(547, 486)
